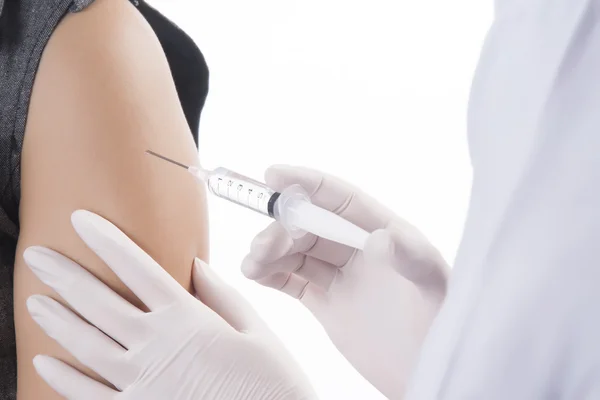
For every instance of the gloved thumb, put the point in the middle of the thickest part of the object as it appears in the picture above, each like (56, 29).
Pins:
(223, 299)
(411, 255)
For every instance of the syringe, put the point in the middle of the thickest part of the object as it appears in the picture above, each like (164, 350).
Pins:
(291, 207)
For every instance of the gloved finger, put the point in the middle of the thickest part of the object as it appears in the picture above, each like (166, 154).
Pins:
(85, 342)
(91, 298)
(315, 271)
(410, 254)
(138, 271)
(331, 193)
(290, 284)
(274, 242)
(224, 300)
(70, 383)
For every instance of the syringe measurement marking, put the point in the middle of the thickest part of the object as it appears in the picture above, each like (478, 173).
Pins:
(249, 197)
(229, 183)
(246, 194)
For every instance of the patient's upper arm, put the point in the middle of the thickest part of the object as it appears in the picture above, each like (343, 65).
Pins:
(103, 95)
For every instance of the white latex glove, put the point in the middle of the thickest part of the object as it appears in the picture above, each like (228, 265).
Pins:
(183, 349)
(376, 305)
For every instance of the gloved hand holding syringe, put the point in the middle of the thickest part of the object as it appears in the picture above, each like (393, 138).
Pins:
(291, 207)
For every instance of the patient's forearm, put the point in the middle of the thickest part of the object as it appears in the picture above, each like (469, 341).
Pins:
(103, 95)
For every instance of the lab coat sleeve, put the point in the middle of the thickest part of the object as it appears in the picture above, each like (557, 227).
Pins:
(521, 320)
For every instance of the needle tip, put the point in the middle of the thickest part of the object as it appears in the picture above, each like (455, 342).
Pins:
(167, 159)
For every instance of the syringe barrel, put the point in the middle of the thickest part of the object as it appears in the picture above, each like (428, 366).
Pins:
(292, 207)
(242, 190)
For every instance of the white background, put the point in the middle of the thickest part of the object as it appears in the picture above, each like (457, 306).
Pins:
(374, 91)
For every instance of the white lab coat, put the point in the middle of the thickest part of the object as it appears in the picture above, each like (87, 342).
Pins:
(522, 316)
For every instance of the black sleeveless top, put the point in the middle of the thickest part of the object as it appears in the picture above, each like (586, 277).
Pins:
(25, 27)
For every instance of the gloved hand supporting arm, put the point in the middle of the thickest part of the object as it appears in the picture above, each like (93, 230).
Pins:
(181, 349)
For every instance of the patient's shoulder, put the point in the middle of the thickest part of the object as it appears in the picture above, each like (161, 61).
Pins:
(104, 78)
(108, 39)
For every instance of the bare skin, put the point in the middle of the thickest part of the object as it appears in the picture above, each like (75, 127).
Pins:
(103, 95)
